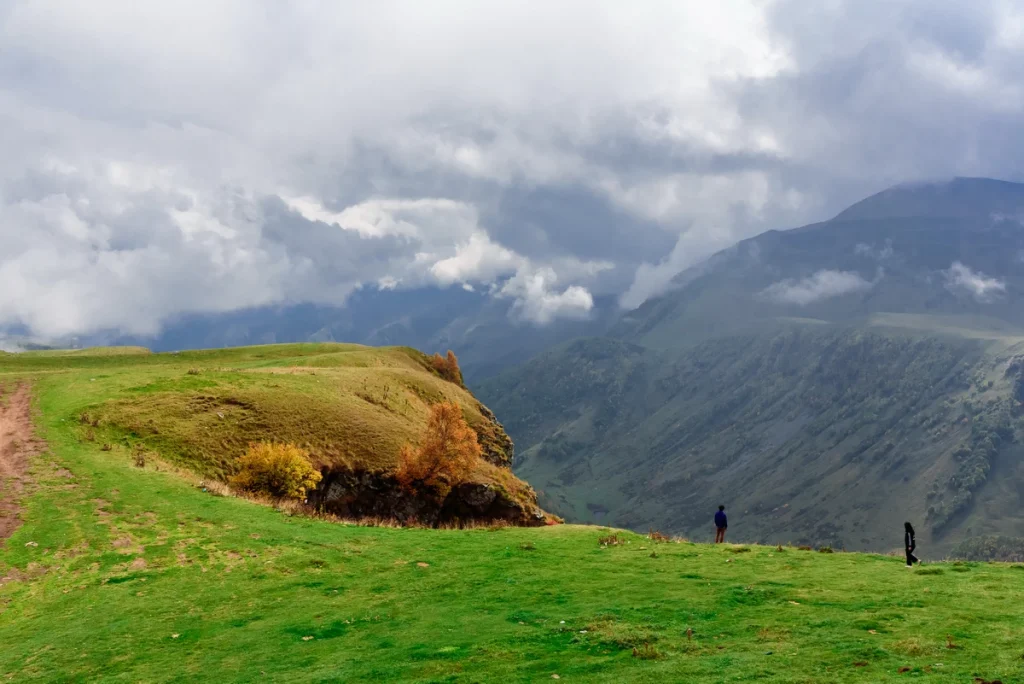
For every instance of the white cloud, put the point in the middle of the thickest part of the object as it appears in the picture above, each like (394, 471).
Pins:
(142, 141)
(425, 218)
(824, 284)
(537, 300)
(980, 286)
(476, 260)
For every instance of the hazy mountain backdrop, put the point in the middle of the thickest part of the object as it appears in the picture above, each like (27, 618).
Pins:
(825, 383)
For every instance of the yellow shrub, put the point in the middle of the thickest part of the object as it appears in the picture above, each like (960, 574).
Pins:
(281, 470)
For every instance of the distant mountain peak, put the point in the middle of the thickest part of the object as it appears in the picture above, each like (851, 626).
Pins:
(955, 197)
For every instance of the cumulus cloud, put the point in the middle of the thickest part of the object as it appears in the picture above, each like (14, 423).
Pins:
(978, 285)
(537, 299)
(477, 259)
(824, 284)
(163, 158)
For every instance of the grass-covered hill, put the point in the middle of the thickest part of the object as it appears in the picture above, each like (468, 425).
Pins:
(810, 433)
(121, 573)
(352, 407)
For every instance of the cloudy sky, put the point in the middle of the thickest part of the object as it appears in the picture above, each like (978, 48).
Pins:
(160, 158)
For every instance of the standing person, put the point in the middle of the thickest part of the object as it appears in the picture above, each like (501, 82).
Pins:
(721, 522)
(910, 544)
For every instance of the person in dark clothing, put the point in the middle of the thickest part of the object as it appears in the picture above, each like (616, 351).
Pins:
(910, 544)
(721, 522)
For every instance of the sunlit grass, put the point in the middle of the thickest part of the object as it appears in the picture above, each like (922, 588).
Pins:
(128, 574)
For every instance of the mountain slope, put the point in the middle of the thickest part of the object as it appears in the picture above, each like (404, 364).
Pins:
(945, 258)
(826, 383)
(811, 434)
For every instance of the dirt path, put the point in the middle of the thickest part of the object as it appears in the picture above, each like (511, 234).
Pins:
(17, 445)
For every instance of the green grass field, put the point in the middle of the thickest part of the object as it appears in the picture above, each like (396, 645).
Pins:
(127, 574)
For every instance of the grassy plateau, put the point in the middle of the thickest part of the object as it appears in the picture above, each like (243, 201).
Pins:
(122, 573)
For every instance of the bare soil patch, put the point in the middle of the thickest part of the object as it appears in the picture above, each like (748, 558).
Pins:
(18, 444)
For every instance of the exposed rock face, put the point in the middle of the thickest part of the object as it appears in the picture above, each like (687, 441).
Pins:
(352, 494)
(496, 444)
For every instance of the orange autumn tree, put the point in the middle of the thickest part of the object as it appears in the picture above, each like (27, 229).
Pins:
(447, 455)
(448, 367)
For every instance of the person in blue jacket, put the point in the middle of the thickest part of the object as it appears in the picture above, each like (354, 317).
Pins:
(721, 522)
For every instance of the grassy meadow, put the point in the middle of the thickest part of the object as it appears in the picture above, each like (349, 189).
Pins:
(121, 573)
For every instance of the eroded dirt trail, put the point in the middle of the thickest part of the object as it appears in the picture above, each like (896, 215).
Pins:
(17, 445)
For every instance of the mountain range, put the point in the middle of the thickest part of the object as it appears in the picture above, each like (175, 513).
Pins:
(825, 383)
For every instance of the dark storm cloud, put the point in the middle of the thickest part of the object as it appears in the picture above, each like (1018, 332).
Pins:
(573, 221)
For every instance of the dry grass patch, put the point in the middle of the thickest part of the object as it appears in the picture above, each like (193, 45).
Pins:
(913, 647)
(647, 652)
(772, 634)
(619, 634)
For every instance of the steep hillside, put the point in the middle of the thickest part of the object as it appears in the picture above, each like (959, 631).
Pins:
(826, 383)
(811, 434)
(351, 407)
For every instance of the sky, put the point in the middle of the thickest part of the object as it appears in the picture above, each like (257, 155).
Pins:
(165, 158)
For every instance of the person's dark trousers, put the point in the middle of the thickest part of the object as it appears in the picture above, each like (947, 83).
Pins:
(911, 558)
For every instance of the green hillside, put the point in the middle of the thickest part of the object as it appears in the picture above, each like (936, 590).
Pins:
(126, 574)
(351, 407)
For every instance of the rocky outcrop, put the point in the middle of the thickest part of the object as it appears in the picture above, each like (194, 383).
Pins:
(494, 441)
(350, 494)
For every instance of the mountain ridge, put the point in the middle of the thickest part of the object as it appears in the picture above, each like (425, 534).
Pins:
(683, 410)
